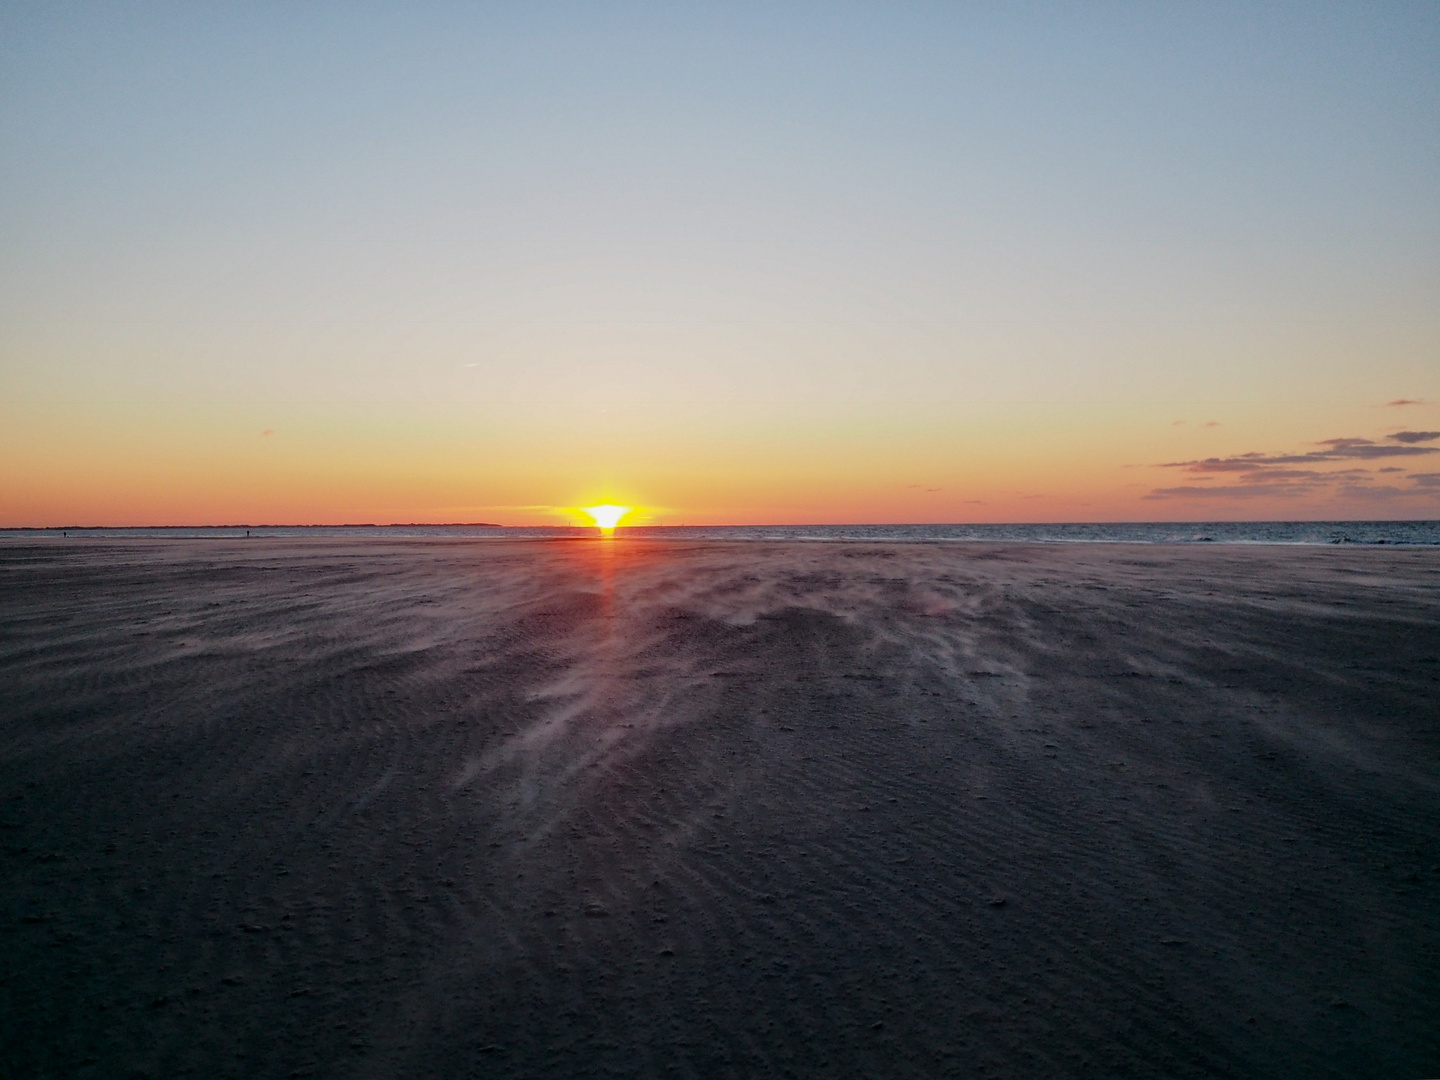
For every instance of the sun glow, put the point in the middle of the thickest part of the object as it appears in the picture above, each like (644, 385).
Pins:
(607, 515)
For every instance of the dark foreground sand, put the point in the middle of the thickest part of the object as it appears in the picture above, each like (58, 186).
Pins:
(448, 809)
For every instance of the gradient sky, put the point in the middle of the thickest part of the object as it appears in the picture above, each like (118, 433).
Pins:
(732, 263)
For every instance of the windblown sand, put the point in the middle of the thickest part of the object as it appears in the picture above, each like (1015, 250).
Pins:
(547, 809)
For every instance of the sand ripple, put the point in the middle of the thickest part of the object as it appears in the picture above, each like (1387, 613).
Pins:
(708, 809)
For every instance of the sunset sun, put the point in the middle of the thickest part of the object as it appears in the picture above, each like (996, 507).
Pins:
(607, 515)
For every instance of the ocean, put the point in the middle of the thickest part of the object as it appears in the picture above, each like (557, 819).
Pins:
(1195, 532)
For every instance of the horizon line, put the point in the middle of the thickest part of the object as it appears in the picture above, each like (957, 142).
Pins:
(730, 525)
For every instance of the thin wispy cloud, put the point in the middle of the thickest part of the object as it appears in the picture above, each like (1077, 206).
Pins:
(1380, 491)
(1240, 491)
(1364, 449)
(1405, 401)
(1334, 450)
(1414, 436)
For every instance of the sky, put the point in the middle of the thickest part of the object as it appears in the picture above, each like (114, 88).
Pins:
(728, 263)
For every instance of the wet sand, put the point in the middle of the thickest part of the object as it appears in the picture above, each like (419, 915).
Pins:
(568, 808)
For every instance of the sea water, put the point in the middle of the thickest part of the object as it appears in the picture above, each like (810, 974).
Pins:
(1195, 532)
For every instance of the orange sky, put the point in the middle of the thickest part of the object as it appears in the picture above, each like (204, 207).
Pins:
(911, 464)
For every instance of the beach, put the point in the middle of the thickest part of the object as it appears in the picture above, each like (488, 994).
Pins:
(706, 809)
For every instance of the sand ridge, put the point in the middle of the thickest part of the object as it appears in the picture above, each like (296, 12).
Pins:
(709, 809)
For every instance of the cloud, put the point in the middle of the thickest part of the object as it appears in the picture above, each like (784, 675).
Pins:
(1335, 450)
(1212, 423)
(1368, 448)
(1256, 474)
(267, 433)
(1381, 491)
(1406, 401)
(1244, 463)
(1364, 450)
(1176, 423)
(1426, 479)
(1283, 490)
(1267, 475)
(1408, 451)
